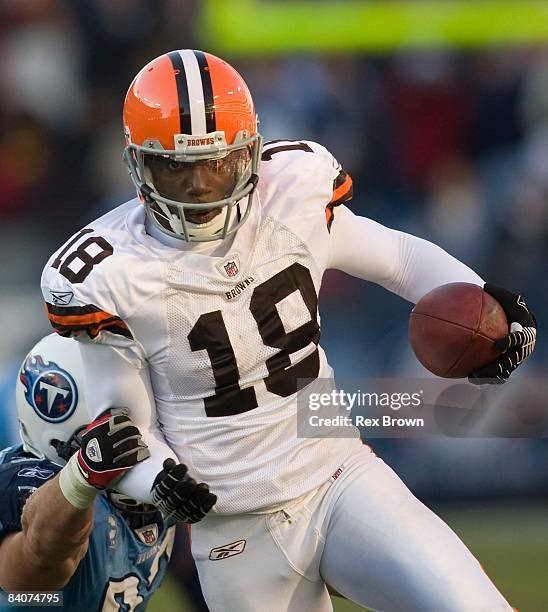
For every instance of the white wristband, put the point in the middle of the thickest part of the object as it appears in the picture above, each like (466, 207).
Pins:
(74, 487)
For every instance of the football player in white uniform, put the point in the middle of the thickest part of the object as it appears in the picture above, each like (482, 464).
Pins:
(207, 283)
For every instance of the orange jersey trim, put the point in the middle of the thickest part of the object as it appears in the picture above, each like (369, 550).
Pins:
(70, 321)
(342, 191)
(96, 318)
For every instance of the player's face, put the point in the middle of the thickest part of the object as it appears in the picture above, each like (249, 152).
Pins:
(198, 182)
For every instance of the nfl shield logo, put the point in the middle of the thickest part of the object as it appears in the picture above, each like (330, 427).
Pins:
(231, 268)
(148, 534)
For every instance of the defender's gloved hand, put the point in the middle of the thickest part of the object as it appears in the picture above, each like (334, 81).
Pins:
(178, 495)
(110, 446)
(517, 346)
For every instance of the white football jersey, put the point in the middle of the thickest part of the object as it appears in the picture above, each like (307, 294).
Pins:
(225, 338)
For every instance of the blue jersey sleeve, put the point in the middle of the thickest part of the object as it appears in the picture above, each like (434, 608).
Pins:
(20, 475)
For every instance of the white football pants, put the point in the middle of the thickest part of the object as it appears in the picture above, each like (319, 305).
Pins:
(362, 532)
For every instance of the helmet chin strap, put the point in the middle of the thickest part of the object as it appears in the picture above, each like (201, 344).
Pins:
(136, 514)
(194, 229)
(211, 227)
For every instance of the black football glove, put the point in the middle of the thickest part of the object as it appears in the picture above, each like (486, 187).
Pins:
(178, 495)
(519, 343)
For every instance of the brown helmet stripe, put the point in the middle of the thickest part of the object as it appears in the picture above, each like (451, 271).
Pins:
(209, 104)
(182, 91)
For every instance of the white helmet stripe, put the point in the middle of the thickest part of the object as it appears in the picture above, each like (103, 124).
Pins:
(195, 92)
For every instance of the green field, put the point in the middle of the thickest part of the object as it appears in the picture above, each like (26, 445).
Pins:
(511, 542)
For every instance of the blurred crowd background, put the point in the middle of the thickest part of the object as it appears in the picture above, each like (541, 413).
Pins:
(451, 146)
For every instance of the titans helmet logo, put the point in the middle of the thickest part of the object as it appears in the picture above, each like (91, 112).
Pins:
(49, 390)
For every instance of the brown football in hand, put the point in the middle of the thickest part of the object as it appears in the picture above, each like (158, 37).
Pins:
(452, 329)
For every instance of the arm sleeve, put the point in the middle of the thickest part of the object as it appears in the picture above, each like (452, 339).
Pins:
(404, 264)
(112, 379)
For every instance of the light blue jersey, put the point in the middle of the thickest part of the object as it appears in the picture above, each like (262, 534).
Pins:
(123, 565)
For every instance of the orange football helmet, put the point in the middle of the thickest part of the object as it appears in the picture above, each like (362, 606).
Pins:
(189, 107)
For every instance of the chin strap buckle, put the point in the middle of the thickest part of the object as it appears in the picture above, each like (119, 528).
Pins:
(253, 180)
(146, 192)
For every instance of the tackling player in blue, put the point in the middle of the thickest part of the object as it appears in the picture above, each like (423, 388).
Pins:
(61, 526)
